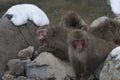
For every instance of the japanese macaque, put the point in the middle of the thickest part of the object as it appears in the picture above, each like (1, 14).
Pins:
(108, 29)
(54, 40)
(73, 20)
(87, 52)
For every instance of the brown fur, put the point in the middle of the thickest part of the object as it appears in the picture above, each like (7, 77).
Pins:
(57, 36)
(108, 30)
(86, 60)
(73, 20)
(57, 42)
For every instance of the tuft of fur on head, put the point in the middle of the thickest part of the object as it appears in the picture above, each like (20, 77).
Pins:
(72, 20)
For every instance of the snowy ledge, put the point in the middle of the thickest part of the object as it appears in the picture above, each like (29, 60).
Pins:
(23, 12)
(115, 6)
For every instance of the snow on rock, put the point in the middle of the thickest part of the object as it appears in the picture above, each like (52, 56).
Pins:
(116, 53)
(115, 5)
(23, 12)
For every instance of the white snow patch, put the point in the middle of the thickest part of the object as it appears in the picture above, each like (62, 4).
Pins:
(23, 12)
(116, 53)
(115, 5)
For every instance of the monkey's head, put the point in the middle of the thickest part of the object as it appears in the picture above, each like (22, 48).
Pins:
(78, 39)
(41, 35)
(47, 35)
(73, 20)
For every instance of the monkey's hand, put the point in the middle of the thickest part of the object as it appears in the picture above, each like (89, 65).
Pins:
(115, 53)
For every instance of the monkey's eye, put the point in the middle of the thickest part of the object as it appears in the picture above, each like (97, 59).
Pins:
(42, 31)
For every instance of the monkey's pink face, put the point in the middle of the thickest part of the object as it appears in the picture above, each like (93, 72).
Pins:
(42, 33)
(78, 43)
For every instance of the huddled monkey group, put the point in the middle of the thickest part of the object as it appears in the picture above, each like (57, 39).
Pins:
(86, 47)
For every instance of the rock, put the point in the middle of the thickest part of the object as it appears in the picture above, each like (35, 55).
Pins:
(7, 76)
(15, 66)
(48, 66)
(26, 53)
(21, 78)
(13, 39)
(111, 69)
(34, 54)
(99, 20)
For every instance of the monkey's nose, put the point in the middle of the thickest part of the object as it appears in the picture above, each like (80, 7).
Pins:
(41, 38)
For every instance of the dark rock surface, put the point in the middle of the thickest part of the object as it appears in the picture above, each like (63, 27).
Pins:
(13, 39)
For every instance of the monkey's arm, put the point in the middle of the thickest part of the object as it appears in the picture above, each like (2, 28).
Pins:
(84, 72)
(55, 51)
(44, 49)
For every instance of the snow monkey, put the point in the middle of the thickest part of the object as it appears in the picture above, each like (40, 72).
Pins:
(54, 38)
(73, 20)
(86, 52)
